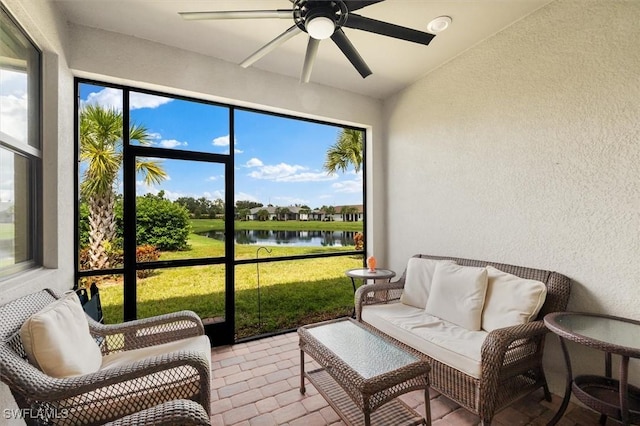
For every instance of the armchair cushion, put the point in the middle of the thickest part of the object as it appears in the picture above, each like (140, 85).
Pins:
(418, 281)
(57, 339)
(457, 294)
(511, 300)
(198, 344)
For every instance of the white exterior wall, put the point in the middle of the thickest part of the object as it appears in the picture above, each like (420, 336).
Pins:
(527, 151)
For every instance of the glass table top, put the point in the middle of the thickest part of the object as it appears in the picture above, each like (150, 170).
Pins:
(368, 354)
(613, 331)
(365, 273)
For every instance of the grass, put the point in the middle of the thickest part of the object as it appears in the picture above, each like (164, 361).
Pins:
(292, 293)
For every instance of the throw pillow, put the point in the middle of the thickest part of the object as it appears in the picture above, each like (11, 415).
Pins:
(57, 339)
(417, 283)
(511, 300)
(457, 295)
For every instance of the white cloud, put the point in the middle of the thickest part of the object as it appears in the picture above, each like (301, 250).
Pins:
(13, 104)
(243, 196)
(254, 162)
(278, 172)
(350, 186)
(14, 116)
(142, 100)
(112, 98)
(13, 83)
(154, 136)
(238, 151)
(171, 143)
(221, 141)
(284, 172)
(213, 195)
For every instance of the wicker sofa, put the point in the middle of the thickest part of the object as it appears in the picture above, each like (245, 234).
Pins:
(509, 360)
(149, 367)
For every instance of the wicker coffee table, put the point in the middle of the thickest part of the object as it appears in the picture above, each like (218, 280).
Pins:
(363, 372)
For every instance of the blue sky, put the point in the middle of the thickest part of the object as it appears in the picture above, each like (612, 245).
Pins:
(278, 160)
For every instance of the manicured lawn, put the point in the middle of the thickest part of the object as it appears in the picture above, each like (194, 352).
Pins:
(292, 293)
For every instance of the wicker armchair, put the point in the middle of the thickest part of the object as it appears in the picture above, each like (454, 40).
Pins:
(173, 413)
(511, 358)
(110, 393)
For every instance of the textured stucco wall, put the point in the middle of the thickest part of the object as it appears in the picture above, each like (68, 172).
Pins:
(526, 150)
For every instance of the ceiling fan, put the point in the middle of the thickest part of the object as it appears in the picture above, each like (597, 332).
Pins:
(321, 19)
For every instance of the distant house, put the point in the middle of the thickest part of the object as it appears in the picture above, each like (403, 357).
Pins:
(279, 213)
(352, 213)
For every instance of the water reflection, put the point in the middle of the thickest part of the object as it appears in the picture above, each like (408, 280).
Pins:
(289, 238)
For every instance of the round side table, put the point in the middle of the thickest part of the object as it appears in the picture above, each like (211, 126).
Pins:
(612, 335)
(365, 274)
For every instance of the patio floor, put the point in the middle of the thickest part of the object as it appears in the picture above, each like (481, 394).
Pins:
(257, 383)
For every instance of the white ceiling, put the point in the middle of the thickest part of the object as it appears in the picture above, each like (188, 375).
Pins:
(395, 63)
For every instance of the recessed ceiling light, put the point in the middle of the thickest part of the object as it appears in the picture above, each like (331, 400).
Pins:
(439, 24)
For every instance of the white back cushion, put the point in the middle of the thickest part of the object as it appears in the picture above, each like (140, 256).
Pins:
(511, 300)
(457, 294)
(58, 342)
(417, 282)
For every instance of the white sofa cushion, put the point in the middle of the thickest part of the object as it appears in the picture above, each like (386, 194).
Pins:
(57, 339)
(417, 283)
(511, 300)
(457, 294)
(448, 343)
(198, 344)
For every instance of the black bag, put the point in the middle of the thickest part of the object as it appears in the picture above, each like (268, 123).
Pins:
(91, 305)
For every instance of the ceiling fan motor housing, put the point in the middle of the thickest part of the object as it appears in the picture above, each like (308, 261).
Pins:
(305, 11)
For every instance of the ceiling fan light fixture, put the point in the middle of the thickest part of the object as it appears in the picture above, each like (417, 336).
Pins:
(439, 24)
(320, 27)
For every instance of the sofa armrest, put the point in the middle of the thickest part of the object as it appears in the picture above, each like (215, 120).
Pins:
(377, 293)
(146, 332)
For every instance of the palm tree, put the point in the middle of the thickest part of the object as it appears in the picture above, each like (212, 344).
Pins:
(101, 151)
(347, 150)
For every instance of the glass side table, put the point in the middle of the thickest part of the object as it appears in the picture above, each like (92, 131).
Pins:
(366, 274)
(612, 335)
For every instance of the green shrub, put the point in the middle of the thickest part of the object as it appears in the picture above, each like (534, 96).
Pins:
(161, 223)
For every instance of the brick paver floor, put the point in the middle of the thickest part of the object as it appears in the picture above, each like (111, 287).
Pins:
(257, 383)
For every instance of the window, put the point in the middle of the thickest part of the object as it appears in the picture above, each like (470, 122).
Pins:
(20, 112)
(233, 213)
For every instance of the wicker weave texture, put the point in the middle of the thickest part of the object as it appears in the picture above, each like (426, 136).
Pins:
(367, 394)
(511, 357)
(108, 394)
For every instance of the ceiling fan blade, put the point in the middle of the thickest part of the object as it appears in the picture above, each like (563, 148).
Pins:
(272, 45)
(238, 14)
(309, 59)
(341, 40)
(359, 4)
(387, 29)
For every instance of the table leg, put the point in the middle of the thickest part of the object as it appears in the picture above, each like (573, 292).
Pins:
(427, 406)
(567, 389)
(624, 397)
(302, 388)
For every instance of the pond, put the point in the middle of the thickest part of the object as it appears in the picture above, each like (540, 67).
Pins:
(289, 238)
